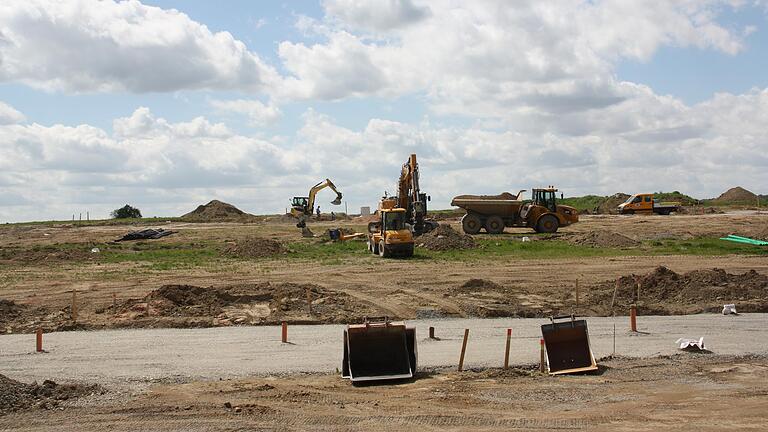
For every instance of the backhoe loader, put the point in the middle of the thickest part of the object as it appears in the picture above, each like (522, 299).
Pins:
(302, 207)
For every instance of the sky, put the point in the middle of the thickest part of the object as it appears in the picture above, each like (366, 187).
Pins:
(166, 105)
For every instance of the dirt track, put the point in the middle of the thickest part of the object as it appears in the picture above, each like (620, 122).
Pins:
(684, 392)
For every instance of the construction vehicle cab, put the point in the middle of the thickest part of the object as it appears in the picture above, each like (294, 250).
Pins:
(391, 235)
(302, 206)
(379, 350)
(544, 215)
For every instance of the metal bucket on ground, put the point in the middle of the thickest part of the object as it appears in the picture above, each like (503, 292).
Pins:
(379, 349)
(567, 346)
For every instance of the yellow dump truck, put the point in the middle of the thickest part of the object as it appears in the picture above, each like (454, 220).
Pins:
(494, 212)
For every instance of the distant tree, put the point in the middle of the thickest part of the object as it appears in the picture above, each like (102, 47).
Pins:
(126, 212)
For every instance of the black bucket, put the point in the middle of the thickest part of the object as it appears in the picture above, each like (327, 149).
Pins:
(567, 345)
(379, 352)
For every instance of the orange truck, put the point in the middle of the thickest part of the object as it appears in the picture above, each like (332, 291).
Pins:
(645, 203)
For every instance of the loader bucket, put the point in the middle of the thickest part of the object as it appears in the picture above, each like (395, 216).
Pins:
(379, 350)
(567, 346)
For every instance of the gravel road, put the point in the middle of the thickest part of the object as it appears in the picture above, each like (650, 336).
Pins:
(132, 356)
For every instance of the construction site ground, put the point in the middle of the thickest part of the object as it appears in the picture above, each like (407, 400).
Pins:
(217, 275)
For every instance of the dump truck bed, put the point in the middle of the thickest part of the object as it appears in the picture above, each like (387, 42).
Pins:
(504, 205)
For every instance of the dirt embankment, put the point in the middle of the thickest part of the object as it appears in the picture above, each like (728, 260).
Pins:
(736, 195)
(664, 292)
(661, 292)
(445, 238)
(17, 396)
(245, 304)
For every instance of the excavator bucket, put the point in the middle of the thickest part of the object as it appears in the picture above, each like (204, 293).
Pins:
(567, 346)
(337, 201)
(379, 350)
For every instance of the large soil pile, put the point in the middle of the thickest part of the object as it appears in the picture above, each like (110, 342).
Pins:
(665, 292)
(737, 195)
(611, 203)
(215, 211)
(17, 396)
(260, 303)
(445, 238)
(254, 247)
(602, 239)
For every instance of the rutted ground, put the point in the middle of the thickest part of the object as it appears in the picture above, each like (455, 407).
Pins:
(683, 392)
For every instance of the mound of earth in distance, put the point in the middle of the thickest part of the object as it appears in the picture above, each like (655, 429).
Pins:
(216, 211)
(736, 195)
(602, 239)
(445, 238)
(254, 247)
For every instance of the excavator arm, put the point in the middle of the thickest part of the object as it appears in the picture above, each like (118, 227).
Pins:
(320, 186)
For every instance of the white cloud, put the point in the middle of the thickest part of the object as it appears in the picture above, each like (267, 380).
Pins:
(9, 114)
(257, 113)
(89, 46)
(489, 58)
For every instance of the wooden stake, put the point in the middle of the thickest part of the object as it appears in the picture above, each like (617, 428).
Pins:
(577, 293)
(431, 332)
(73, 311)
(542, 357)
(285, 332)
(39, 340)
(506, 350)
(309, 301)
(633, 318)
(463, 350)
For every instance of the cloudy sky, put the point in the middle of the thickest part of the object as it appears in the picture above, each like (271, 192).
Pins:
(168, 104)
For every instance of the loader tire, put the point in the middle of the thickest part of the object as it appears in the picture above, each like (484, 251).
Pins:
(494, 225)
(471, 223)
(383, 251)
(547, 224)
(374, 247)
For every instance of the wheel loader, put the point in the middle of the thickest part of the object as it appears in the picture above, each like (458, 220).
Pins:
(379, 349)
(390, 236)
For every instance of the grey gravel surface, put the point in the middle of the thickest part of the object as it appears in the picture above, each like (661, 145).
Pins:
(157, 355)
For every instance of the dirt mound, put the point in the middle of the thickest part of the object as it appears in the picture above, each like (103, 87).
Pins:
(17, 396)
(215, 211)
(611, 203)
(665, 292)
(737, 195)
(445, 238)
(479, 285)
(254, 247)
(248, 304)
(9, 310)
(603, 239)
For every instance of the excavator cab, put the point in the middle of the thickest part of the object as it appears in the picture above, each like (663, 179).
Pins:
(378, 350)
(567, 345)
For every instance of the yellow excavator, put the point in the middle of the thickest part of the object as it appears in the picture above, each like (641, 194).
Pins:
(302, 206)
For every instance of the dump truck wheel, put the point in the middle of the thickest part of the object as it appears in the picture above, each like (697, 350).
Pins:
(471, 223)
(547, 224)
(494, 225)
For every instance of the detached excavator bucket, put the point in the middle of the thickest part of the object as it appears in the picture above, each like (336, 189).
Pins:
(567, 346)
(379, 350)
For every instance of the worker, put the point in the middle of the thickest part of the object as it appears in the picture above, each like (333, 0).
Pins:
(318, 212)
(333, 216)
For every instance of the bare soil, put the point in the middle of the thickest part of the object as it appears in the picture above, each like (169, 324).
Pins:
(444, 237)
(254, 247)
(17, 396)
(687, 392)
(602, 239)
